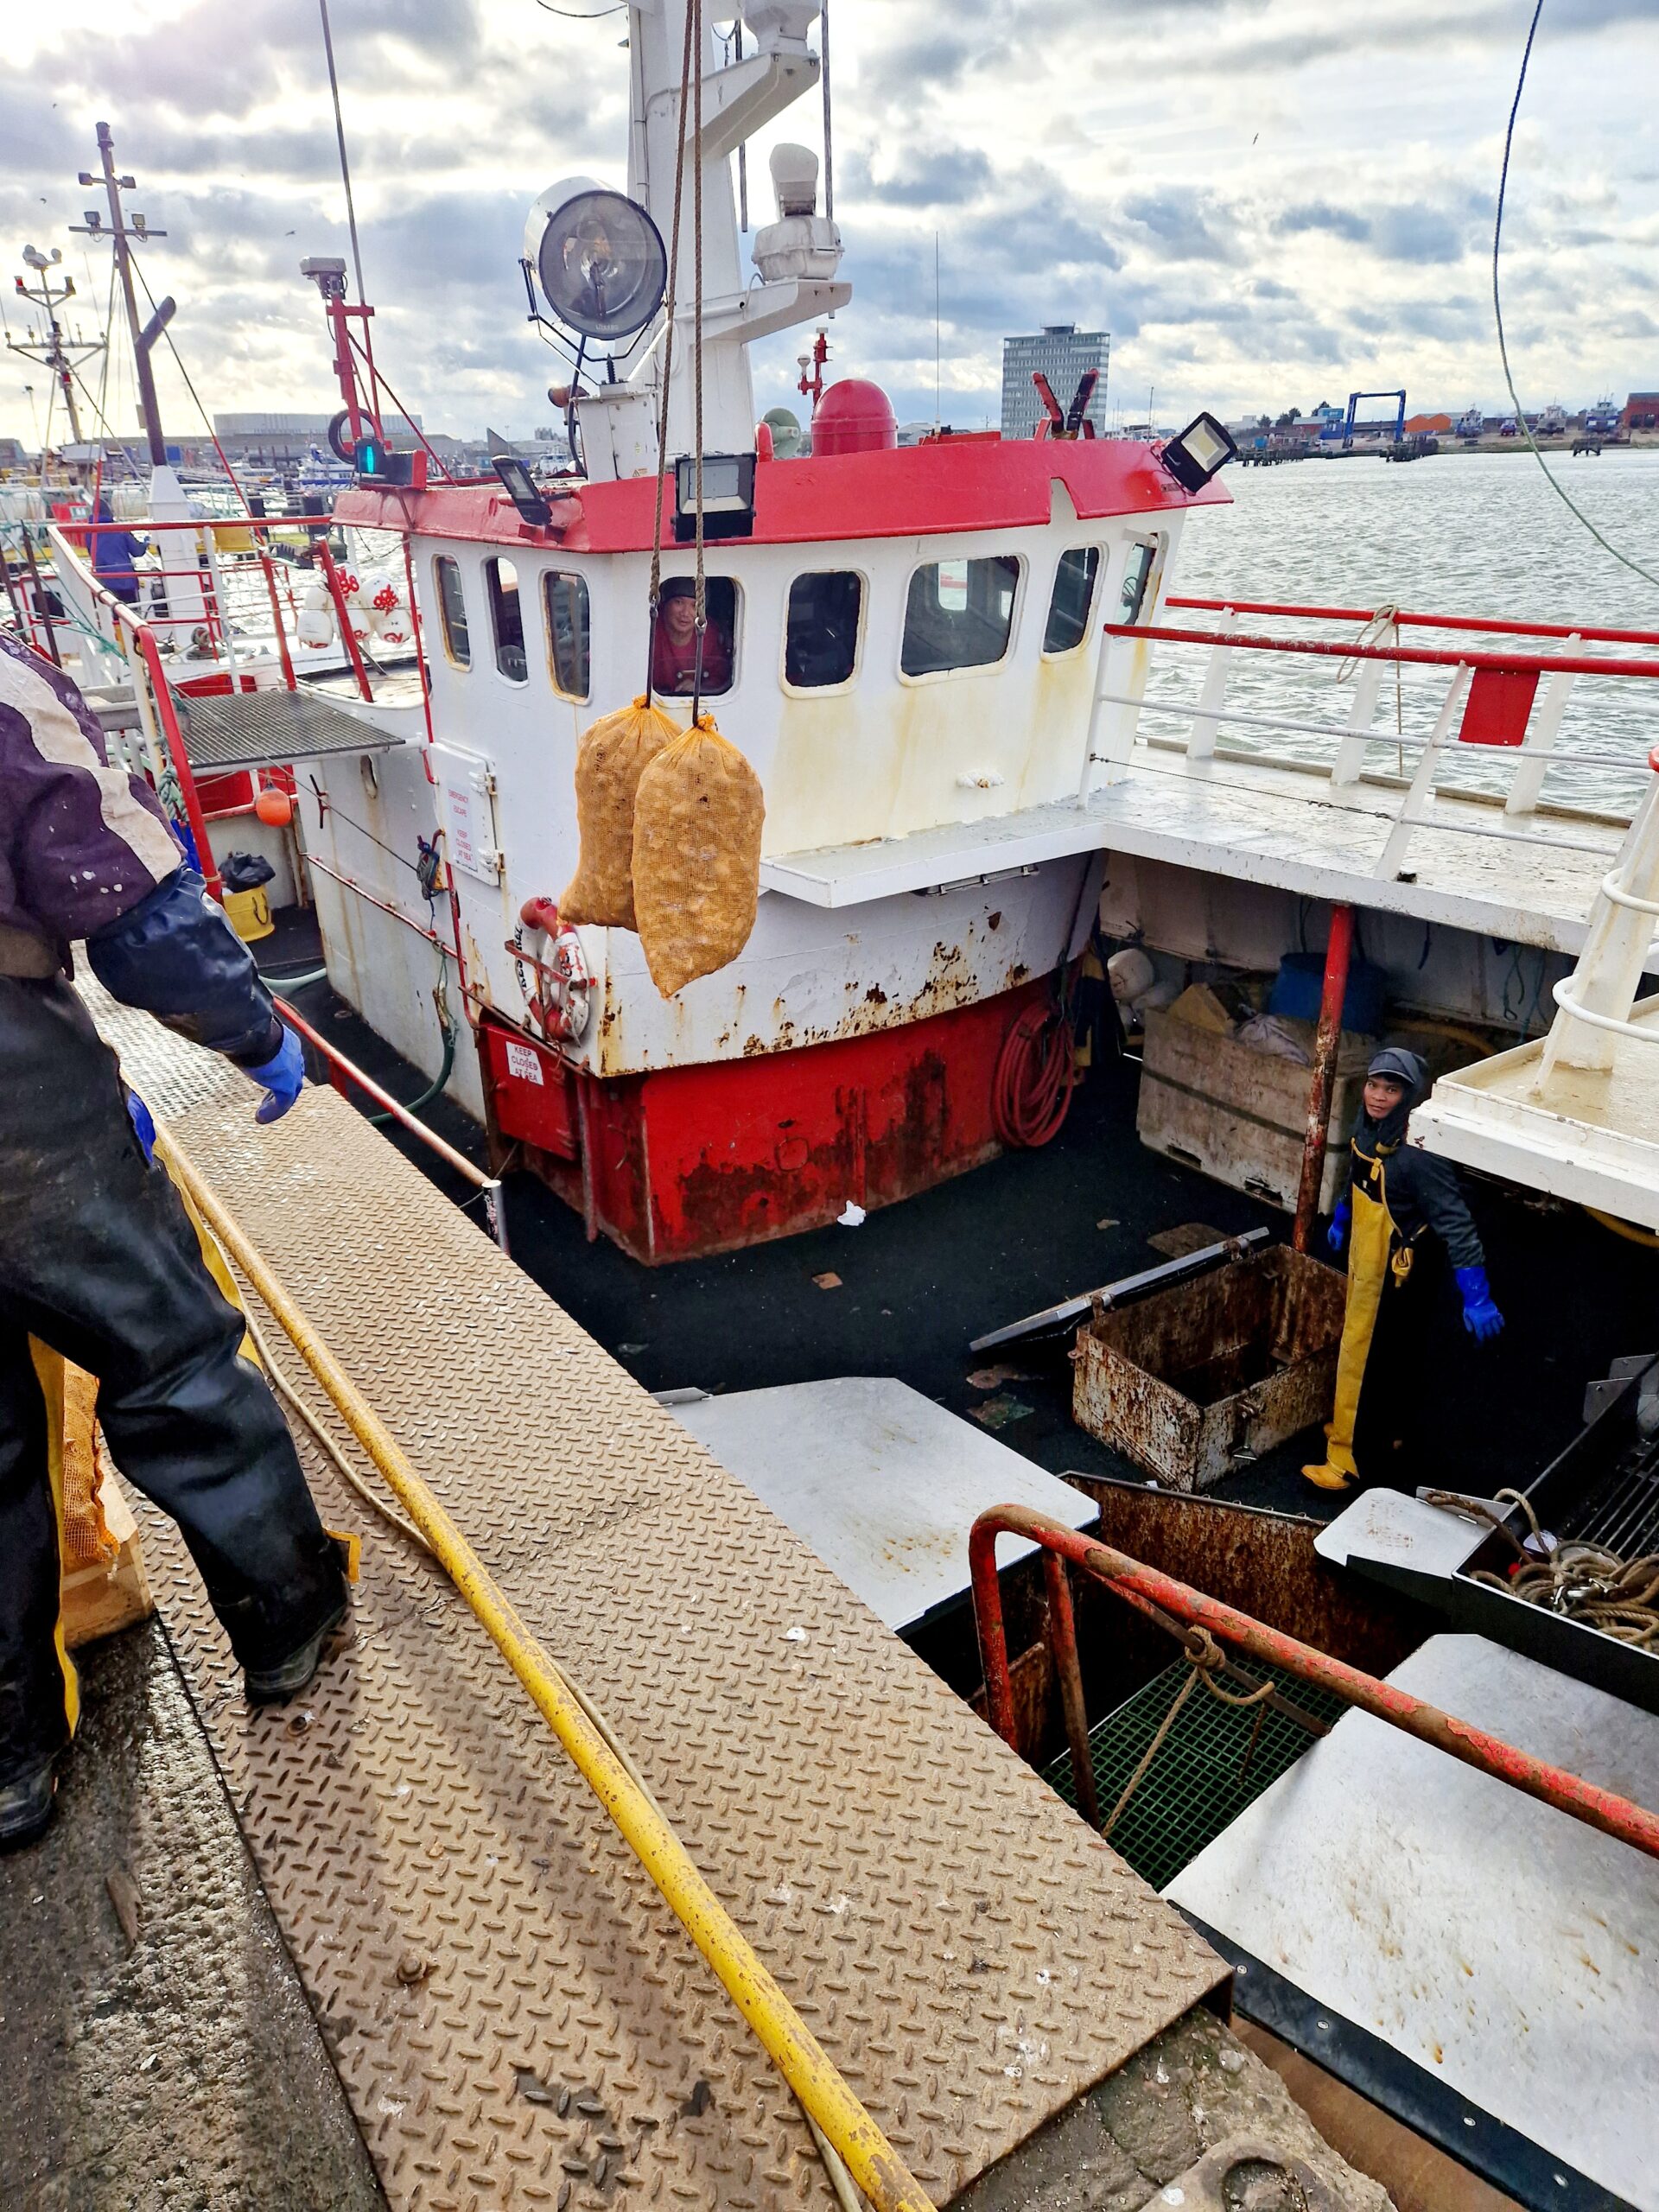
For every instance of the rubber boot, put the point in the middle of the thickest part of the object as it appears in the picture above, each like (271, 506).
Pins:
(1325, 1477)
(26, 1807)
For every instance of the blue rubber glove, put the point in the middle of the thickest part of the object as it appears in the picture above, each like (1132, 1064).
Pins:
(282, 1076)
(1480, 1316)
(1337, 1236)
(143, 1126)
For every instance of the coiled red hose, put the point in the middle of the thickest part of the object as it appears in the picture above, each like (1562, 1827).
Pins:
(1031, 1090)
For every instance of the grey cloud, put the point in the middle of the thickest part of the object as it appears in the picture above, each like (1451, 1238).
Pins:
(1183, 224)
(1419, 233)
(1320, 215)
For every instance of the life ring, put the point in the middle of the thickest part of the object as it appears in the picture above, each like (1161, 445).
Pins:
(553, 974)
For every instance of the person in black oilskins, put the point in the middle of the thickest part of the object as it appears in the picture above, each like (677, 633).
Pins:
(1402, 1218)
(99, 1262)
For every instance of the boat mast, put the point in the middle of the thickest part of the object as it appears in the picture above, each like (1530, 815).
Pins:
(143, 334)
(53, 351)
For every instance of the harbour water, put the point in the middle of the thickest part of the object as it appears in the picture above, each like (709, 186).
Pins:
(1458, 534)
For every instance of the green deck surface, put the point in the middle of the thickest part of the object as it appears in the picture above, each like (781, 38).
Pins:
(1205, 1772)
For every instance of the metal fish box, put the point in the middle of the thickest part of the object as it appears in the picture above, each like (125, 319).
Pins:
(1231, 1363)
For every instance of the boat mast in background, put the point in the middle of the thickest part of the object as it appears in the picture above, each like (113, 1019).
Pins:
(55, 350)
(144, 335)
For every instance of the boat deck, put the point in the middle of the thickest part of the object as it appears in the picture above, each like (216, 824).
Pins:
(514, 2011)
(1258, 824)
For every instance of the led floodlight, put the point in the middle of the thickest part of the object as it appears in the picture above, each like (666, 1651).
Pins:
(1203, 448)
(521, 489)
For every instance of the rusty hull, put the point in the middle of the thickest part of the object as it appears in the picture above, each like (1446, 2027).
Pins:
(1232, 1362)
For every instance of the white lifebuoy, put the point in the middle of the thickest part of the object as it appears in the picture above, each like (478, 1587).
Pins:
(558, 989)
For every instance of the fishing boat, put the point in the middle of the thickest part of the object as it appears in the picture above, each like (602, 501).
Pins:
(995, 744)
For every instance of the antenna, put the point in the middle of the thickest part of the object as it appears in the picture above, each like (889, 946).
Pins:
(936, 330)
(345, 167)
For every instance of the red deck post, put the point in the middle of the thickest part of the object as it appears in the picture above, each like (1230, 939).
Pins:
(1149, 1591)
(1338, 946)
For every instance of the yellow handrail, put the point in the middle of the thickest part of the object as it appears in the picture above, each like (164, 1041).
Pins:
(798, 2055)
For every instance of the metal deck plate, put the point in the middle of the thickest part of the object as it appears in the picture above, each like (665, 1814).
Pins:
(267, 729)
(881, 1481)
(970, 1955)
(1502, 1947)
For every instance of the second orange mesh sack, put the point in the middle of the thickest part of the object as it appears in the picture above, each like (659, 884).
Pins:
(612, 755)
(697, 819)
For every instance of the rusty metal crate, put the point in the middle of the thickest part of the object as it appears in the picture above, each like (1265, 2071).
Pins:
(1232, 1363)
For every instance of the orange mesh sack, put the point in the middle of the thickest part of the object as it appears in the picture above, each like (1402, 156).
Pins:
(697, 819)
(610, 757)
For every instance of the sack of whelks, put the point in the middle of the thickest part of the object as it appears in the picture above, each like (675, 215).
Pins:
(612, 755)
(698, 812)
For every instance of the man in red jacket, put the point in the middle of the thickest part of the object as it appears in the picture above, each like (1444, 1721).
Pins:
(674, 649)
(99, 1260)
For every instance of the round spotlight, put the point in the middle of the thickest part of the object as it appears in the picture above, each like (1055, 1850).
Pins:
(599, 257)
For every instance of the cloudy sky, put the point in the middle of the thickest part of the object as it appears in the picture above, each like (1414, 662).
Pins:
(1267, 202)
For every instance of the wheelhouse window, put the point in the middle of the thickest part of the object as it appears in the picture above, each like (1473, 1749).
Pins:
(959, 614)
(1137, 574)
(452, 611)
(565, 599)
(506, 617)
(820, 631)
(674, 650)
(1072, 598)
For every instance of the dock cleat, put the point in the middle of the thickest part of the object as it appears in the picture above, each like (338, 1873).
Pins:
(1325, 1477)
(26, 1807)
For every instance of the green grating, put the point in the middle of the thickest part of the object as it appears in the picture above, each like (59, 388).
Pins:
(1205, 1772)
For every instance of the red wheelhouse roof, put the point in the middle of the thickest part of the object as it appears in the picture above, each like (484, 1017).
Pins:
(949, 484)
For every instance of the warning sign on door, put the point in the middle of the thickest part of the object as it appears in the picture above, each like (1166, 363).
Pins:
(523, 1060)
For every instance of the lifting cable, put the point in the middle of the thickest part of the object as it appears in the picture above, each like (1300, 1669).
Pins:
(841, 2127)
(1520, 422)
(656, 585)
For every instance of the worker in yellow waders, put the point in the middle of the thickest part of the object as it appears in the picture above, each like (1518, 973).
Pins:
(1401, 1218)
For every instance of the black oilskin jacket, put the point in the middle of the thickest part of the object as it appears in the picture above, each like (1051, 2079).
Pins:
(1424, 1194)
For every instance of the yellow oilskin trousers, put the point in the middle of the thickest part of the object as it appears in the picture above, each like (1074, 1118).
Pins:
(1373, 1250)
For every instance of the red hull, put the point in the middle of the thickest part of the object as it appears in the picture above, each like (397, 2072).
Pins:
(690, 1161)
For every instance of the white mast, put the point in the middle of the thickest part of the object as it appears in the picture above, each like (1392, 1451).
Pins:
(620, 421)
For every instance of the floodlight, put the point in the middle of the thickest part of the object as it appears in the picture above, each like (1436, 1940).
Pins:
(1203, 448)
(728, 496)
(521, 488)
(600, 258)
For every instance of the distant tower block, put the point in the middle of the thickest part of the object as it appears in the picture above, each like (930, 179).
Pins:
(1062, 354)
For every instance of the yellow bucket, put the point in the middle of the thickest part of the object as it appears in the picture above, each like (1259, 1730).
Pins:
(249, 913)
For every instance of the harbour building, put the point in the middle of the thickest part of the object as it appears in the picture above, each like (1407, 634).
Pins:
(1062, 354)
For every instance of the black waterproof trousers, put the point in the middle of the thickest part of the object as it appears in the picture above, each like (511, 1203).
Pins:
(100, 1261)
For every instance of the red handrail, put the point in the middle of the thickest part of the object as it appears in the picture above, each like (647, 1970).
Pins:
(1495, 625)
(1159, 1595)
(1335, 649)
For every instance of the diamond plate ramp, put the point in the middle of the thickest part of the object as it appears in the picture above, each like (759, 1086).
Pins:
(516, 2015)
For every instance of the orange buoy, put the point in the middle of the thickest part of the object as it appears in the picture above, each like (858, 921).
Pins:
(274, 806)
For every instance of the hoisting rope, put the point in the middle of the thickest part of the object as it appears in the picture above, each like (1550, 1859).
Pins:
(701, 600)
(839, 2122)
(656, 588)
(1581, 1581)
(1204, 1659)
